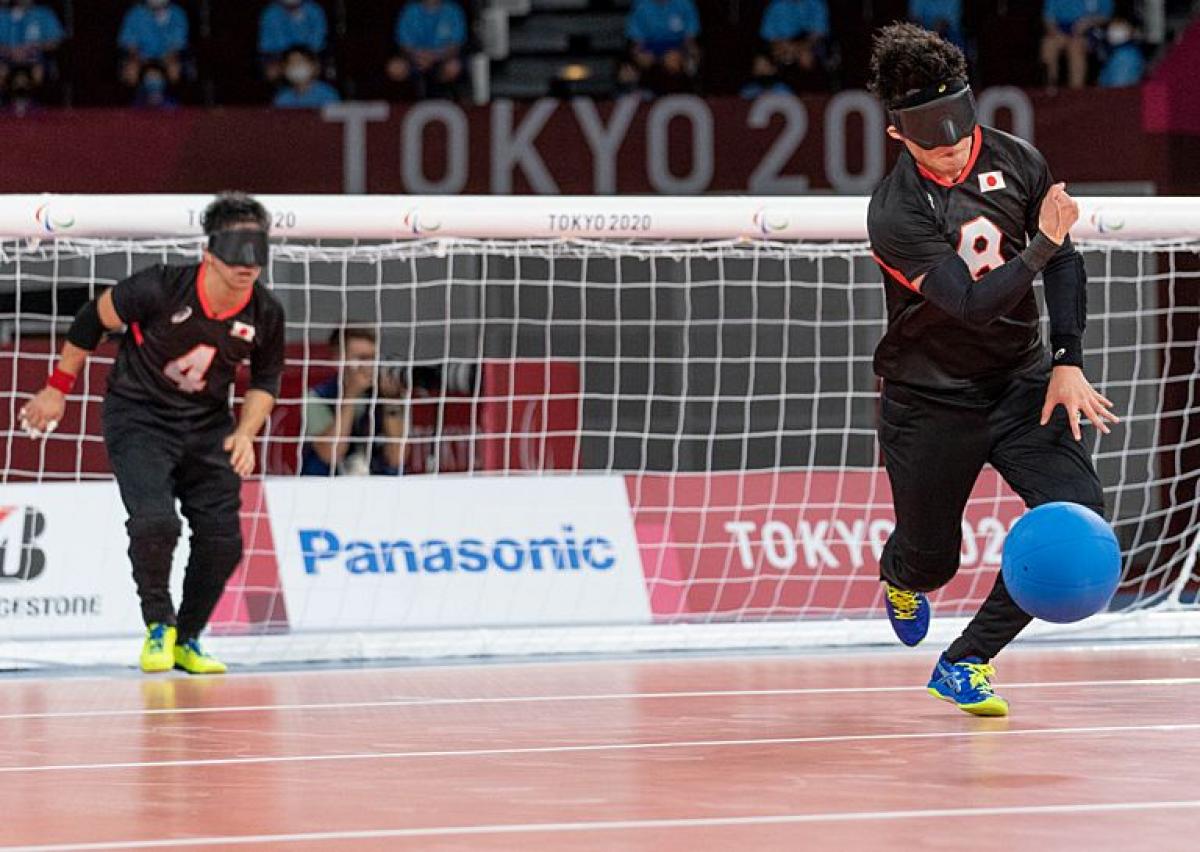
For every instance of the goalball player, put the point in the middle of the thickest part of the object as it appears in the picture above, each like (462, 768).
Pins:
(961, 226)
(168, 428)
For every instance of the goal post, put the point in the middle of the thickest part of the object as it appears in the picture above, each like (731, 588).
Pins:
(631, 423)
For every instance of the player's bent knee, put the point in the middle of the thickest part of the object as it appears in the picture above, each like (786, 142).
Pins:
(920, 570)
(218, 554)
(157, 527)
(939, 568)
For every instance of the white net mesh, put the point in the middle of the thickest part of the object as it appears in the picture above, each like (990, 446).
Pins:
(729, 385)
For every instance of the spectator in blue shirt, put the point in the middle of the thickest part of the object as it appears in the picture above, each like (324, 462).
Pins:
(1068, 25)
(154, 30)
(1125, 63)
(796, 33)
(29, 32)
(943, 17)
(303, 90)
(663, 50)
(288, 23)
(430, 35)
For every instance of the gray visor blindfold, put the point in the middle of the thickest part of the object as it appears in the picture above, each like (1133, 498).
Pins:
(939, 122)
(241, 248)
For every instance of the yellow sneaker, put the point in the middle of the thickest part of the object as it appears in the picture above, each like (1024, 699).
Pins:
(158, 651)
(193, 659)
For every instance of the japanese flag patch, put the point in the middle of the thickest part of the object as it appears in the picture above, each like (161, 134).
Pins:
(991, 181)
(242, 331)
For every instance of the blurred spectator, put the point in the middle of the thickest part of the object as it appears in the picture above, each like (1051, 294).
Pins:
(302, 89)
(1072, 27)
(347, 428)
(943, 17)
(1125, 63)
(19, 91)
(796, 33)
(288, 23)
(153, 31)
(430, 35)
(154, 89)
(664, 56)
(29, 34)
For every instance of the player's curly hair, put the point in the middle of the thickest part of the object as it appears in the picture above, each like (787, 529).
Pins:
(234, 208)
(906, 58)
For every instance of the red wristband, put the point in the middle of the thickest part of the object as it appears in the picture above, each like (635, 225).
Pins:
(61, 380)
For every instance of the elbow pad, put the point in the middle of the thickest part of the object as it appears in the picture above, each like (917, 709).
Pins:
(87, 331)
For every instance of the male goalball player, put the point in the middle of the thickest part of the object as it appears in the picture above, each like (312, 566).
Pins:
(961, 226)
(167, 424)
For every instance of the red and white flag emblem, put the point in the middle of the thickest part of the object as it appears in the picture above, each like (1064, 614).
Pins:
(991, 181)
(242, 331)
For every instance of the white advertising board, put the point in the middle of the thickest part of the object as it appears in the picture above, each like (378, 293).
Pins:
(420, 552)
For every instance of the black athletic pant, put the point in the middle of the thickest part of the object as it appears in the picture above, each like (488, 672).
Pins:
(934, 452)
(157, 460)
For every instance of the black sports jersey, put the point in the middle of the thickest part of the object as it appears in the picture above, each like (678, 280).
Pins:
(916, 221)
(181, 356)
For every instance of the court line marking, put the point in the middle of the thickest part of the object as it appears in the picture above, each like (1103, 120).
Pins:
(595, 747)
(614, 825)
(689, 657)
(599, 696)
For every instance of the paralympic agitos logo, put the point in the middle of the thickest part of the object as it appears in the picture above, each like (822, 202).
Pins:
(50, 223)
(20, 557)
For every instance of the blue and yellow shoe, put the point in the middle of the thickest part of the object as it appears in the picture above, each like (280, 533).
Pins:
(158, 651)
(193, 659)
(909, 613)
(967, 684)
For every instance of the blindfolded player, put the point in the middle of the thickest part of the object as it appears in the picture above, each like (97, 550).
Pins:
(961, 226)
(168, 428)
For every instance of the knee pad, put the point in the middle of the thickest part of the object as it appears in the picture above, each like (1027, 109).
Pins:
(154, 527)
(152, 546)
(940, 567)
(217, 556)
(924, 570)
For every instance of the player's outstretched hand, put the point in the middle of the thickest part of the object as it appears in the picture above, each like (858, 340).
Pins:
(241, 454)
(41, 415)
(1071, 389)
(1059, 212)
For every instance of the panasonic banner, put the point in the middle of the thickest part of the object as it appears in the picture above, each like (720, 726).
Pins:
(416, 552)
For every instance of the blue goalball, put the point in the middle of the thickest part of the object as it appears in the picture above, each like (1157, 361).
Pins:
(1061, 562)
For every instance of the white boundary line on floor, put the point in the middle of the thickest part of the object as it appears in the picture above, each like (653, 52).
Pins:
(615, 825)
(601, 747)
(403, 702)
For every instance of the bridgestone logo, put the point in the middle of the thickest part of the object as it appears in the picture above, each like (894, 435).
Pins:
(20, 557)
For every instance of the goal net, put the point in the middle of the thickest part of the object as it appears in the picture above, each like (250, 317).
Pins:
(613, 433)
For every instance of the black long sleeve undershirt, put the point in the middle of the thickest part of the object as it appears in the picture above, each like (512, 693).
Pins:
(949, 285)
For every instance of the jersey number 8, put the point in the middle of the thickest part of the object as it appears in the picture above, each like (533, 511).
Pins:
(979, 246)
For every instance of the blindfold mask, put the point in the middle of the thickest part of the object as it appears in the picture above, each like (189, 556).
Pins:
(241, 248)
(937, 116)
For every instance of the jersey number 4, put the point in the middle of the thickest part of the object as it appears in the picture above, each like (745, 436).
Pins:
(188, 372)
(979, 246)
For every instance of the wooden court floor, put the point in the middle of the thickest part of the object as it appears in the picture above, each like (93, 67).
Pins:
(843, 752)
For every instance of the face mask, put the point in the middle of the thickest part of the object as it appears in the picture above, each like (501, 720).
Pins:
(298, 73)
(1118, 34)
(154, 85)
(241, 248)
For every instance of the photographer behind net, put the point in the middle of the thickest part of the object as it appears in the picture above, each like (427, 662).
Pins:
(356, 422)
